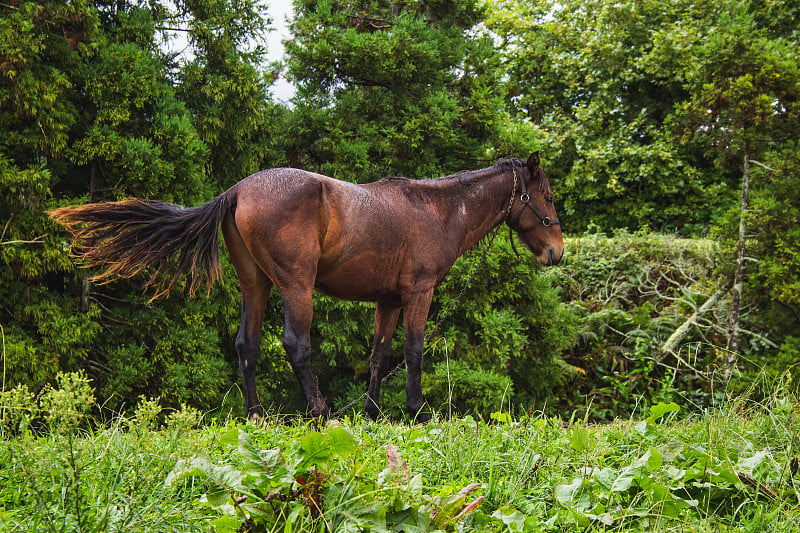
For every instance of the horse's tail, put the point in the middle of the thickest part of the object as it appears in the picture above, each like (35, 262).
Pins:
(128, 237)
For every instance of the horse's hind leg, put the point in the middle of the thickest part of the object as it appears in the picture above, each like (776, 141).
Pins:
(298, 306)
(385, 322)
(248, 341)
(255, 287)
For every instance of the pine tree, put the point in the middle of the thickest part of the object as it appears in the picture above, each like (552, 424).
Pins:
(405, 88)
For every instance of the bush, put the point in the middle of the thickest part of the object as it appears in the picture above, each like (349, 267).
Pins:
(61, 409)
(631, 292)
(455, 387)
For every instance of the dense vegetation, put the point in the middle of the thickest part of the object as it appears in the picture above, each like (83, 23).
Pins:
(733, 468)
(649, 116)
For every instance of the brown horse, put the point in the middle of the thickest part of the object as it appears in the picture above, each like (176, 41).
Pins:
(391, 242)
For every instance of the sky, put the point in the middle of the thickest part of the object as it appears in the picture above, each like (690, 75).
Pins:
(279, 11)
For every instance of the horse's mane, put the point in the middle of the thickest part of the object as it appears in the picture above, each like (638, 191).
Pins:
(540, 180)
(505, 164)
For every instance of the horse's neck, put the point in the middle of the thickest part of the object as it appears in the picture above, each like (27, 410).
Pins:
(478, 205)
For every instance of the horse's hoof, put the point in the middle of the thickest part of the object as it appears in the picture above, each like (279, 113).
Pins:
(372, 410)
(255, 414)
(423, 416)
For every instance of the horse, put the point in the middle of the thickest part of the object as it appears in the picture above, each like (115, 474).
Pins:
(390, 242)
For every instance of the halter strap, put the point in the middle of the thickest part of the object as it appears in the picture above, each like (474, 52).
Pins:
(525, 199)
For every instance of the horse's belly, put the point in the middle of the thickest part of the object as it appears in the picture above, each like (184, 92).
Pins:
(368, 279)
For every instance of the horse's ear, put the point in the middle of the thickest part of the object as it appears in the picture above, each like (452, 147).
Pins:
(533, 163)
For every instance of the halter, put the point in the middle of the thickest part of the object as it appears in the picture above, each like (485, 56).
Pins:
(524, 199)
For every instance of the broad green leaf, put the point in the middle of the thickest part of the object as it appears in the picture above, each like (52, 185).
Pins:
(581, 440)
(503, 418)
(616, 480)
(650, 461)
(754, 465)
(226, 524)
(249, 454)
(511, 517)
(573, 496)
(231, 437)
(341, 442)
(660, 409)
(218, 497)
(314, 447)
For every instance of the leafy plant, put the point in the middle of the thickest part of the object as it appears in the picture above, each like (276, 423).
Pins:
(271, 487)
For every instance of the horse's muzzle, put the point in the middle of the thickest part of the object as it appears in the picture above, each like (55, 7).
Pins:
(554, 256)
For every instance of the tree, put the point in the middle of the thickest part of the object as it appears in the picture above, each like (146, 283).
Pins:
(744, 84)
(598, 84)
(40, 44)
(391, 88)
(90, 114)
(225, 86)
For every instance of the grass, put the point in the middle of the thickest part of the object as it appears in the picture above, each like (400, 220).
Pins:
(730, 469)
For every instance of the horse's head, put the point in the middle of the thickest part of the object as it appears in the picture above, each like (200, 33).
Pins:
(532, 213)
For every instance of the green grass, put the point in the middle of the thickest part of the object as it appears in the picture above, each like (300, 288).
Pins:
(731, 469)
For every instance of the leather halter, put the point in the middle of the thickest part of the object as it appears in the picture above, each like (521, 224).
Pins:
(524, 199)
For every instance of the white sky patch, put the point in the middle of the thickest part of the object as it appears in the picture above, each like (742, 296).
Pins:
(281, 12)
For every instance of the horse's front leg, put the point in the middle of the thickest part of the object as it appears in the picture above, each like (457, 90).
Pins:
(297, 343)
(385, 322)
(415, 314)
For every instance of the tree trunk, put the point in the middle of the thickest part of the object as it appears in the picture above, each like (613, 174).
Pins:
(736, 293)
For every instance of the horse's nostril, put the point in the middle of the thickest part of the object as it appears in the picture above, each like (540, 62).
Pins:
(554, 258)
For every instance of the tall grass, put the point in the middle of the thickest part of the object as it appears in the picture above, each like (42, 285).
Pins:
(731, 468)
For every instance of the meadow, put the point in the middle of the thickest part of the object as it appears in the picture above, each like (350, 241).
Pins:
(729, 468)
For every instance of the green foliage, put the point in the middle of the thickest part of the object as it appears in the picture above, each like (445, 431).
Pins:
(725, 469)
(589, 78)
(465, 389)
(640, 104)
(630, 293)
(226, 91)
(743, 80)
(99, 479)
(772, 280)
(407, 89)
(62, 408)
(90, 109)
(297, 487)
(66, 407)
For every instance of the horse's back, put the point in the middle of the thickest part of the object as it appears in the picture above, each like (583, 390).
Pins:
(289, 217)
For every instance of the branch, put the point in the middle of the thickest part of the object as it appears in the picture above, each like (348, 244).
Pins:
(36, 240)
(762, 165)
(697, 372)
(169, 28)
(373, 22)
(678, 335)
